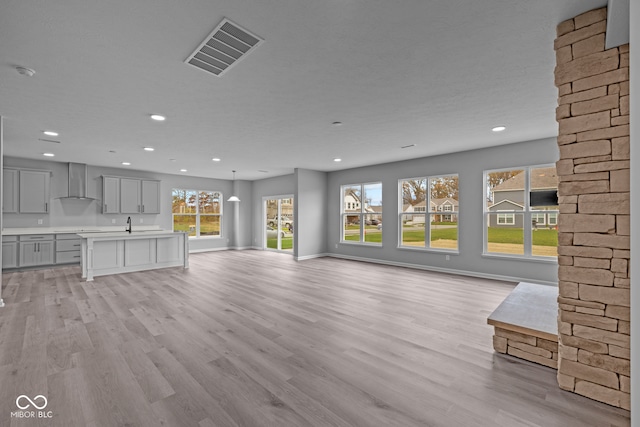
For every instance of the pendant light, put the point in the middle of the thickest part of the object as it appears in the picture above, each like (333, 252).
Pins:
(233, 198)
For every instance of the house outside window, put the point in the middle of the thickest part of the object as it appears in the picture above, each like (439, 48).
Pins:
(429, 228)
(513, 227)
(197, 212)
(361, 212)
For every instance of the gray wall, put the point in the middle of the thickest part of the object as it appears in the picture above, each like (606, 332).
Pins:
(310, 237)
(244, 230)
(279, 186)
(469, 166)
(72, 213)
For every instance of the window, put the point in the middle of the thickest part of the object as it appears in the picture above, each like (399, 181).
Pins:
(440, 193)
(506, 219)
(517, 224)
(361, 211)
(538, 219)
(197, 212)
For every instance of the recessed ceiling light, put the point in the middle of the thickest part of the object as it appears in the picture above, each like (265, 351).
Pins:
(126, 163)
(215, 159)
(337, 123)
(48, 154)
(498, 128)
(172, 160)
(263, 171)
(408, 146)
(158, 117)
(183, 170)
(337, 160)
(50, 133)
(149, 149)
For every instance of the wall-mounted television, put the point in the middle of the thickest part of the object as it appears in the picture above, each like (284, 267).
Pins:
(543, 198)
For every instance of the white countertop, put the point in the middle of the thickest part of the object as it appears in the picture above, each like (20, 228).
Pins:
(136, 234)
(78, 229)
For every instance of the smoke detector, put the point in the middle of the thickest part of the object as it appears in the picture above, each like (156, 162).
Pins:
(25, 71)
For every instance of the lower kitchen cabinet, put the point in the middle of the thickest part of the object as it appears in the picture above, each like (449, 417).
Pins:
(68, 249)
(9, 251)
(36, 250)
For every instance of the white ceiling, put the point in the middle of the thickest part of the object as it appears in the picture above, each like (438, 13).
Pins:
(436, 74)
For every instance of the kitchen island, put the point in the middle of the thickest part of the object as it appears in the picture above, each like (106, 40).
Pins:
(124, 252)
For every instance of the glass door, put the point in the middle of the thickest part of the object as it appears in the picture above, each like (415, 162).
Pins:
(278, 214)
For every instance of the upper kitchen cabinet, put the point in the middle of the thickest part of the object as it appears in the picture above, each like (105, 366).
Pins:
(10, 191)
(150, 196)
(34, 191)
(130, 195)
(29, 193)
(110, 195)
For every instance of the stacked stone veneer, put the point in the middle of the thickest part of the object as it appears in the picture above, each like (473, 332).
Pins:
(526, 346)
(593, 241)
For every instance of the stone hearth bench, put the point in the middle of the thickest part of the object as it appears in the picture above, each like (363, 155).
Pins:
(526, 324)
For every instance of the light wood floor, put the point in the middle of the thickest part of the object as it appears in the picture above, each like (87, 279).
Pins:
(251, 338)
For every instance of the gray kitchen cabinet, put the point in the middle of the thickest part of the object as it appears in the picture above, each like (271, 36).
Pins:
(34, 191)
(130, 195)
(9, 251)
(10, 191)
(68, 249)
(150, 196)
(130, 199)
(110, 195)
(36, 250)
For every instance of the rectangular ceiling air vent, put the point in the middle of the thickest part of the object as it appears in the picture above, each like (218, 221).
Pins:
(227, 44)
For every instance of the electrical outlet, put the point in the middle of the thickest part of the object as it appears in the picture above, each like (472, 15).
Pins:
(336, 246)
(447, 257)
(141, 220)
(39, 221)
(113, 221)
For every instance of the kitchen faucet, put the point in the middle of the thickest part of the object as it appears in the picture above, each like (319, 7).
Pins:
(128, 225)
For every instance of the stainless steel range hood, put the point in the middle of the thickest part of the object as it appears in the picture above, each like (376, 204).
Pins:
(78, 182)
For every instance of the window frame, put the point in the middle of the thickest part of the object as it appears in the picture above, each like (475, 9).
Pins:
(427, 213)
(526, 212)
(199, 214)
(360, 213)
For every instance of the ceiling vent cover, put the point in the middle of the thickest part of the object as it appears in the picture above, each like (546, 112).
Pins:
(227, 44)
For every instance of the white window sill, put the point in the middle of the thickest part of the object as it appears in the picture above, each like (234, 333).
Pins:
(538, 259)
(425, 249)
(373, 245)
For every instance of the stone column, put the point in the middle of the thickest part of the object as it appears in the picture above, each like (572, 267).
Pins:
(593, 190)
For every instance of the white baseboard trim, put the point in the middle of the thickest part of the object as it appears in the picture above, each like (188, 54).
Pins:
(197, 251)
(443, 270)
(306, 257)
